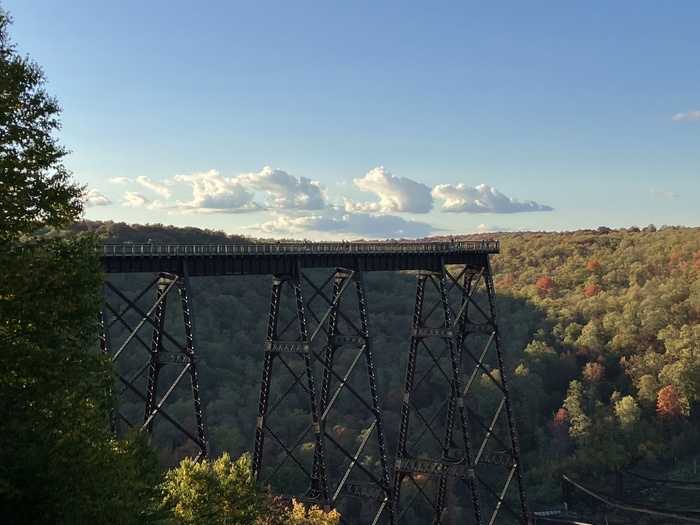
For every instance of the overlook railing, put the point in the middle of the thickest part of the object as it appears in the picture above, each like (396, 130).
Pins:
(122, 250)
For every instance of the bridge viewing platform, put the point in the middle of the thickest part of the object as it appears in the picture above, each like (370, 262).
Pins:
(266, 259)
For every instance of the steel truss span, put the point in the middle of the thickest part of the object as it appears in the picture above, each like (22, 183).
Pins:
(457, 457)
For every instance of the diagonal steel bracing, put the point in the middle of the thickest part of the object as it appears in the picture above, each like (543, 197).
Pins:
(486, 395)
(434, 442)
(288, 450)
(480, 447)
(334, 464)
(125, 322)
(349, 382)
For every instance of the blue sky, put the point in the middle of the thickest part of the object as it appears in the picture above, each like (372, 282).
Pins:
(331, 120)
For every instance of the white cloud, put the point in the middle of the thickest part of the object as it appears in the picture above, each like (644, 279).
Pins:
(396, 194)
(286, 192)
(95, 198)
(482, 199)
(161, 188)
(338, 221)
(131, 198)
(664, 193)
(121, 180)
(688, 116)
(491, 228)
(211, 193)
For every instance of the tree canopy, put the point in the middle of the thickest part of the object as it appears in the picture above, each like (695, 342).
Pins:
(36, 189)
(58, 463)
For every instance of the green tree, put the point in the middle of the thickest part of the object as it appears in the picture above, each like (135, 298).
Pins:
(35, 188)
(300, 515)
(58, 463)
(279, 512)
(539, 352)
(627, 412)
(647, 388)
(580, 422)
(220, 492)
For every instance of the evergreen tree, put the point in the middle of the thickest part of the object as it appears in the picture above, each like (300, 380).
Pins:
(58, 463)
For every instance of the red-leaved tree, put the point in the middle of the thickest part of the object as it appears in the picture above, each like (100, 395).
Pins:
(594, 266)
(546, 286)
(592, 290)
(668, 406)
(560, 426)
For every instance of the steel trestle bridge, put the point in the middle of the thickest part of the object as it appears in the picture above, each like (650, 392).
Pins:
(456, 458)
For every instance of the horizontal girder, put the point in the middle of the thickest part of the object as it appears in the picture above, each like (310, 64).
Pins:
(267, 259)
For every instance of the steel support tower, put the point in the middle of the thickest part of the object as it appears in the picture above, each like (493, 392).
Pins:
(457, 457)
(326, 335)
(152, 382)
(450, 436)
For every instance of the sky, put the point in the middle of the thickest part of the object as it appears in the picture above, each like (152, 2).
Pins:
(393, 119)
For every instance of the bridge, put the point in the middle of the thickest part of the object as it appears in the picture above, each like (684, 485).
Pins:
(450, 462)
(270, 259)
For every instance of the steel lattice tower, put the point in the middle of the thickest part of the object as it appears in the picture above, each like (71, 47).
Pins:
(339, 350)
(165, 351)
(457, 437)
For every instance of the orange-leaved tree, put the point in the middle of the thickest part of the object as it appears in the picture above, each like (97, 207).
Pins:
(668, 406)
(546, 286)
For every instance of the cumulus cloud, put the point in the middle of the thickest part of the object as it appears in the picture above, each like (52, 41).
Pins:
(664, 193)
(121, 180)
(95, 198)
(161, 188)
(131, 198)
(396, 194)
(339, 221)
(211, 193)
(688, 116)
(286, 192)
(482, 199)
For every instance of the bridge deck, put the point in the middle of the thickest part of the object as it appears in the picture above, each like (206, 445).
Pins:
(265, 259)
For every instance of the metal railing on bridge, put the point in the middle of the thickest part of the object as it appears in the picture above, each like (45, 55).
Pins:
(121, 250)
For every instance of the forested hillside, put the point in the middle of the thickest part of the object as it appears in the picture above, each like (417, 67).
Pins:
(601, 331)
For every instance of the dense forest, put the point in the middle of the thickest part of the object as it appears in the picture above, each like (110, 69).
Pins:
(600, 329)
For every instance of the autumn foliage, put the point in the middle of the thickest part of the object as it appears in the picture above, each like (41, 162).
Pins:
(560, 425)
(592, 290)
(593, 372)
(668, 406)
(584, 372)
(546, 286)
(594, 266)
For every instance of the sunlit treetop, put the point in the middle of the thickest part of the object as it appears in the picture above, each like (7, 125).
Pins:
(36, 190)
